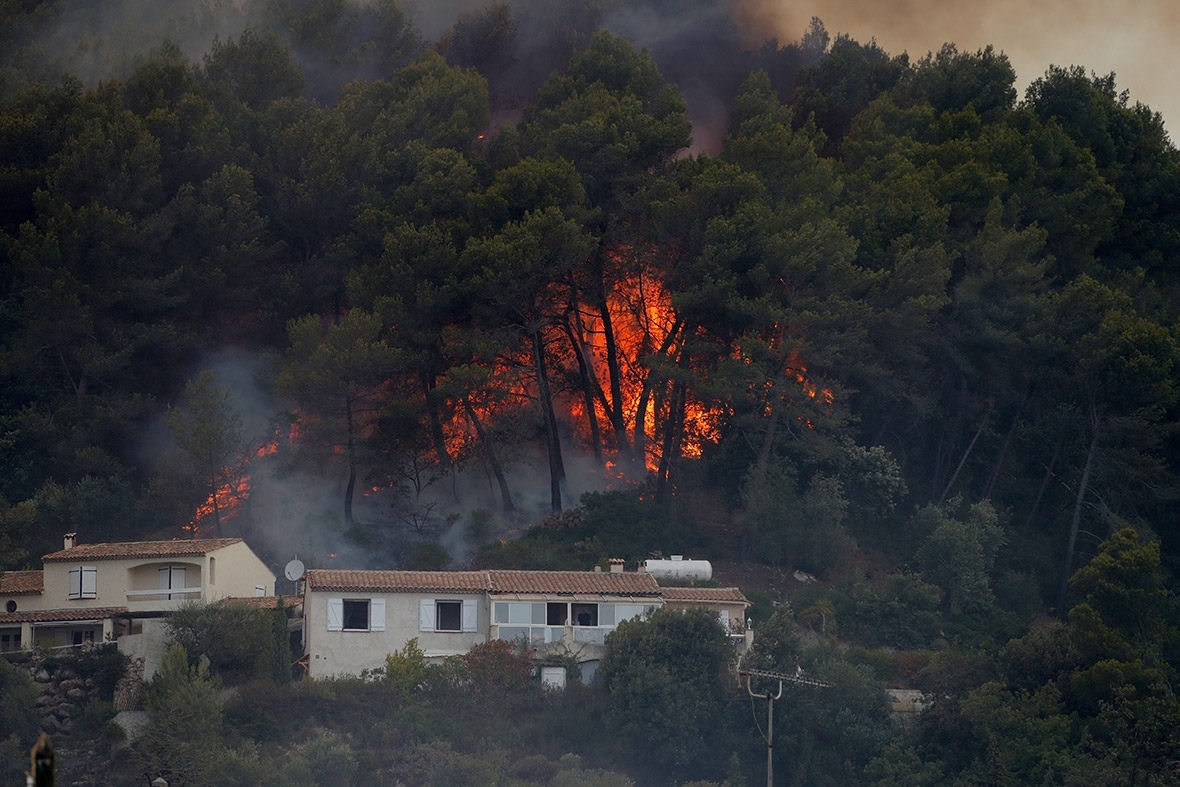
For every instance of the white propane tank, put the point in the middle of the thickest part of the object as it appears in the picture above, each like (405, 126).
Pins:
(677, 568)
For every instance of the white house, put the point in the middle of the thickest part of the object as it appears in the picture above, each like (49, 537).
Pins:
(353, 619)
(119, 591)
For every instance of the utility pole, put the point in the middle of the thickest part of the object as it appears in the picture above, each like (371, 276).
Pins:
(770, 698)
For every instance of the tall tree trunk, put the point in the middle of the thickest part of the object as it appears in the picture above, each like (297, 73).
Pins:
(645, 397)
(588, 379)
(614, 370)
(437, 437)
(966, 453)
(774, 400)
(1076, 520)
(552, 439)
(493, 462)
(1044, 485)
(995, 474)
(673, 436)
(350, 488)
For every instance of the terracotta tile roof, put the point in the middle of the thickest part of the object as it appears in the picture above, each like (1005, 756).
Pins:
(62, 615)
(21, 583)
(574, 583)
(141, 549)
(395, 581)
(694, 594)
(553, 583)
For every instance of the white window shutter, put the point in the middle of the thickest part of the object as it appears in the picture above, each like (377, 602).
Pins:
(335, 614)
(426, 615)
(377, 614)
(89, 582)
(723, 617)
(75, 583)
(469, 614)
(165, 578)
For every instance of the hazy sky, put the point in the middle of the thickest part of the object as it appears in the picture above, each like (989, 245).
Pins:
(1137, 39)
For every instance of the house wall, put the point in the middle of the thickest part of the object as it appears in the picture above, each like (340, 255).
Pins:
(735, 613)
(336, 653)
(233, 570)
(237, 572)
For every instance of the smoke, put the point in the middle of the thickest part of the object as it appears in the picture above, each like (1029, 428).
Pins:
(295, 501)
(1128, 38)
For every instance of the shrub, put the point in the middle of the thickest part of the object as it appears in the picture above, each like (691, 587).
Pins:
(236, 638)
(18, 712)
(498, 665)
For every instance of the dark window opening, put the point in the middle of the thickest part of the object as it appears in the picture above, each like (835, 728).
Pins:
(449, 616)
(10, 606)
(80, 637)
(556, 614)
(585, 614)
(356, 614)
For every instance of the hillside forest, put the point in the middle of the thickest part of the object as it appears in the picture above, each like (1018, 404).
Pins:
(534, 286)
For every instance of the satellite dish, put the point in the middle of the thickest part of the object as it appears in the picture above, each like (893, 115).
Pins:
(294, 570)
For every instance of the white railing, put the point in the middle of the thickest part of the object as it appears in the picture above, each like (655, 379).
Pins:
(539, 635)
(132, 594)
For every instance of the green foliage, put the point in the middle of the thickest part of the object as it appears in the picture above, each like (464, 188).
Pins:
(406, 669)
(1124, 612)
(958, 556)
(238, 639)
(776, 645)
(624, 524)
(897, 286)
(498, 666)
(666, 678)
(19, 720)
(255, 69)
(430, 557)
(280, 651)
(183, 739)
(105, 665)
(805, 530)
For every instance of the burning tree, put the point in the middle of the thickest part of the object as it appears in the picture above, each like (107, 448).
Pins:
(208, 432)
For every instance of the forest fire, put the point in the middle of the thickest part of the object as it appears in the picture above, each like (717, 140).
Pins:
(615, 375)
(233, 490)
(622, 368)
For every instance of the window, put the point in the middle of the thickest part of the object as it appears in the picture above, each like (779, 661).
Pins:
(172, 578)
(449, 616)
(85, 637)
(356, 614)
(84, 582)
(439, 615)
(520, 612)
(212, 570)
(10, 607)
(10, 641)
(584, 614)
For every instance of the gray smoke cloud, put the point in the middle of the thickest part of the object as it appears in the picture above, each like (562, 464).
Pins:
(294, 505)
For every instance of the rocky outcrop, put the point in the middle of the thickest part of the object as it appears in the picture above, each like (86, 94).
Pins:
(64, 693)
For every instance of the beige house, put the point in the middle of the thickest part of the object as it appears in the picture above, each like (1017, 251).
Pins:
(119, 591)
(353, 619)
(729, 604)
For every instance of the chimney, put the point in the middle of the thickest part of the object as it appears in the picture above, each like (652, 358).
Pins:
(616, 565)
(69, 540)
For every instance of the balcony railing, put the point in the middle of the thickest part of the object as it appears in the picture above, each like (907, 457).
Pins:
(164, 594)
(540, 635)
